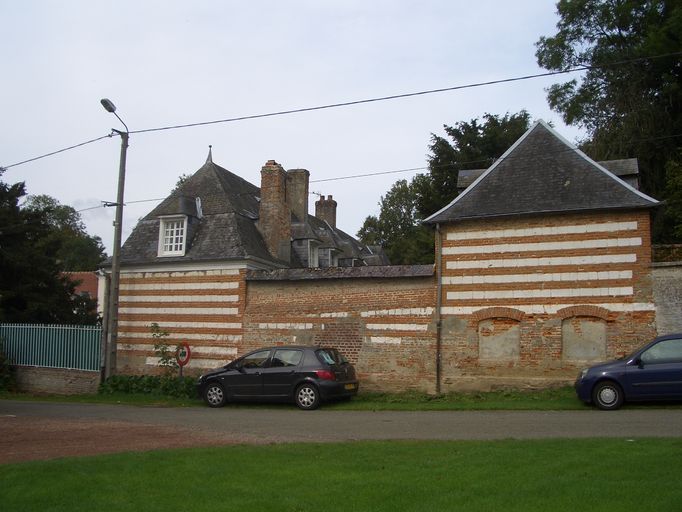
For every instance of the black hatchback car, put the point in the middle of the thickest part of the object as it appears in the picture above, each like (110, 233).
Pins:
(653, 372)
(305, 375)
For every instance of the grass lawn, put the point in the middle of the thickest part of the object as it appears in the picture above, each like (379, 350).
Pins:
(545, 475)
(554, 399)
(548, 399)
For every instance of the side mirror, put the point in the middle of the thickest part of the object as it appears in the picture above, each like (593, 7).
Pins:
(638, 361)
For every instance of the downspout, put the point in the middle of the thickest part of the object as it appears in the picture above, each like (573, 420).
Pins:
(439, 292)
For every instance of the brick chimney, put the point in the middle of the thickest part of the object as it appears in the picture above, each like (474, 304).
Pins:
(274, 222)
(325, 209)
(297, 192)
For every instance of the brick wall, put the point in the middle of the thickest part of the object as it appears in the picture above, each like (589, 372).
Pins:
(57, 381)
(384, 326)
(203, 308)
(526, 300)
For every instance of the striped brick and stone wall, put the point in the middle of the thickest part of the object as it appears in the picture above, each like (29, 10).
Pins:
(526, 302)
(385, 327)
(202, 308)
(529, 300)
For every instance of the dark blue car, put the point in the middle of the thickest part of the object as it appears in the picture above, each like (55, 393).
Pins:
(653, 372)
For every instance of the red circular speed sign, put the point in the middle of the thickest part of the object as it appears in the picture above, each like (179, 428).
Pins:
(183, 354)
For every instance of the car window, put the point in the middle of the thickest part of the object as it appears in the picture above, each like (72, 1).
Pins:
(255, 360)
(286, 357)
(667, 351)
(331, 356)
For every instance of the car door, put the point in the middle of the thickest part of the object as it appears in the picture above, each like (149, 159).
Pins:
(657, 372)
(245, 378)
(282, 372)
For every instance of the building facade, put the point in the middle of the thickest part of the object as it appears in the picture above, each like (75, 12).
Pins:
(543, 265)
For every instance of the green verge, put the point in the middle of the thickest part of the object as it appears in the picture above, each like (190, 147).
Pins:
(511, 475)
(555, 399)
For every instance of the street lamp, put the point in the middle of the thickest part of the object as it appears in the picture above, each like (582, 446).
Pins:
(112, 310)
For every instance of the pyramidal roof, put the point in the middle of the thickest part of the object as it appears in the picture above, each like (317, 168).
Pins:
(542, 173)
(228, 208)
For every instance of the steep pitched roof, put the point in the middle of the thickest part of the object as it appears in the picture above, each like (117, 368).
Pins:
(229, 208)
(223, 209)
(542, 173)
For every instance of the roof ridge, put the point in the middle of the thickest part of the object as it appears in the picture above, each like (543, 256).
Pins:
(539, 124)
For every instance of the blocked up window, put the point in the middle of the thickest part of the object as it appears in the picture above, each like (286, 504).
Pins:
(583, 339)
(499, 339)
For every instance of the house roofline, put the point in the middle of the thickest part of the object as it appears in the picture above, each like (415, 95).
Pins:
(570, 145)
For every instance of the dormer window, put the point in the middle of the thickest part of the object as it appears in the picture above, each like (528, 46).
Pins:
(313, 254)
(173, 236)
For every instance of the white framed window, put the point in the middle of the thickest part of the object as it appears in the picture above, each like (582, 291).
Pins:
(172, 236)
(313, 254)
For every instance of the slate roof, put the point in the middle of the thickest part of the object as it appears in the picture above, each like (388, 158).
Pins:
(542, 173)
(223, 225)
(626, 169)
(227, 230)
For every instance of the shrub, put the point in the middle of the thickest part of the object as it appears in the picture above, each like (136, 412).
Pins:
(7, 382)
(179, 387)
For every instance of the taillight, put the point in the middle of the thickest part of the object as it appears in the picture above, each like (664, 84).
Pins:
(325, 375)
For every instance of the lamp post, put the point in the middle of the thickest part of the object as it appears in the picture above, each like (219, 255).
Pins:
(112, 316)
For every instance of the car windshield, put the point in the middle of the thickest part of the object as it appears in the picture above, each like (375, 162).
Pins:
(331, 356)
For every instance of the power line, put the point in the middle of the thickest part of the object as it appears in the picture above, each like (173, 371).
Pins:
(357, 102)
(406, 95)
(55, 152)
(487, 161)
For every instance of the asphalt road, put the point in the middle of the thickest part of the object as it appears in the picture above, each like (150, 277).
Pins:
(291, 425)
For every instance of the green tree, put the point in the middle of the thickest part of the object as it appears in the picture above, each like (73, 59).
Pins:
(630, 100)
(77, 250)
(467, 145)
(398, 229)
(33, 288)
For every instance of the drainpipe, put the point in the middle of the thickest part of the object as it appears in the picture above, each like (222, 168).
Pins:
(439, 293)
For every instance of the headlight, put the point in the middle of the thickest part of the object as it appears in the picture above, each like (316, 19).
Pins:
(583, 373)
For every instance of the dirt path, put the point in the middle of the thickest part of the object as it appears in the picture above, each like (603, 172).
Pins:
(25, 439)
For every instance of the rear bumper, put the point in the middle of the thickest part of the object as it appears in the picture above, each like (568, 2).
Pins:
(333, 389)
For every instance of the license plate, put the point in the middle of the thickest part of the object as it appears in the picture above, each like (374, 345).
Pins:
(350, 386)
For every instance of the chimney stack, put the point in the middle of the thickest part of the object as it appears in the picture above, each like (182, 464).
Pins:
(297, 192)
(325, 209)
(274, 220)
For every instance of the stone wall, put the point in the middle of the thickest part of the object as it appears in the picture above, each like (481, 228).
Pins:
(57, 381)
(667, 279)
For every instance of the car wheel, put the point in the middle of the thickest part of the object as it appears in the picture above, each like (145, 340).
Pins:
(307, 397)
(214, 395)
(607, 395)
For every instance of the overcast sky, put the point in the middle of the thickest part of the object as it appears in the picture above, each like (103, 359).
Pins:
(176, 62)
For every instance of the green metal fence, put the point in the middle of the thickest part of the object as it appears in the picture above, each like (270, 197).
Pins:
(53, 346)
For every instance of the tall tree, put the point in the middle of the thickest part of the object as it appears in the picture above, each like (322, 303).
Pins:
(77, 250)
(33, 288)
(630, 100)
(397, 228)
(468, 145)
